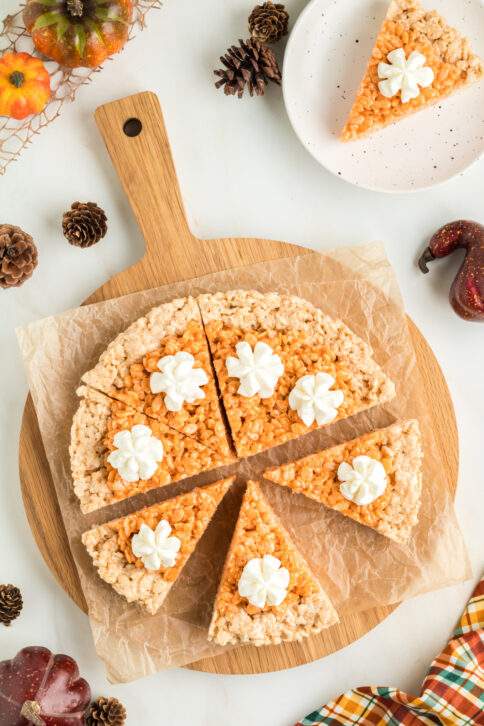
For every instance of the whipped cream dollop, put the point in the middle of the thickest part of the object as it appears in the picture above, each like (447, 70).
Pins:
(313, 400)
(404, 75)
(363, 482)
(263, 581)
(258, 369)
(179, 380)
(156, 548)
(137, 453)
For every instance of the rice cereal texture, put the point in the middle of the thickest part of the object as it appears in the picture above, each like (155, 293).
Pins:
(409, 26)
(124, 369)
(95, 424)
(307, 341)
(109, 545)
(306, 610)
(143, 336)
(398, 447)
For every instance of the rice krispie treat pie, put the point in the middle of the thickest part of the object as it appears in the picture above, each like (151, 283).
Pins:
(267, 593)
(285, 368)
(117, 452)
(161, 367)
(141, 555)
(376, 479)
(418, 60)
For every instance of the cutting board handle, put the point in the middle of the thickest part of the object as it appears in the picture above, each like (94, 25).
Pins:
(136, 139)
(135, 135)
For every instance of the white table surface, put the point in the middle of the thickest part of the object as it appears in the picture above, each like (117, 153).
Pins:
(242, 172)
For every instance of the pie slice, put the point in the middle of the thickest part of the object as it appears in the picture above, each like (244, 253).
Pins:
(141, 555)
(314, 350)
(282, 599)
(385, 94)
(392, 479)
(150, 454)
(183, 395)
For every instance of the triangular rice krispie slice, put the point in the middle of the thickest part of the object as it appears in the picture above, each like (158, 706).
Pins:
(376, 479)
(161, 367)
(117, 452)
(418, 60)
(267, 592)
(141, 555)
(277, 355)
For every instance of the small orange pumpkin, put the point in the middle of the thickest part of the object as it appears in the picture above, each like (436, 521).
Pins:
(24, 85)
(78, 33)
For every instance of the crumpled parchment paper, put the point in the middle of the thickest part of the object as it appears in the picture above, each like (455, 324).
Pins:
(359, 568)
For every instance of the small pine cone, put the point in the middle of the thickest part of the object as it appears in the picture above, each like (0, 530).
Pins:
(84, 224)
(268, 22)
(252, 64)
(106, 712)
(18, 256)
(10, 603)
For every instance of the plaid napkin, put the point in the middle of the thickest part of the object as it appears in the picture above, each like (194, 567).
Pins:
(452, 692)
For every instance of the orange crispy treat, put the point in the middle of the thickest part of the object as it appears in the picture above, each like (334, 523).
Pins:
(182, 456)
(397, 447)
(95, 424)
(307, 341)
(259, 424)
(109, 545)
(306, 608)
(202, 420)
(446, 51)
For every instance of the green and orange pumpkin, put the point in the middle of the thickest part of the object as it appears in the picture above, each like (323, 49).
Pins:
(24, 85)
(78, 33)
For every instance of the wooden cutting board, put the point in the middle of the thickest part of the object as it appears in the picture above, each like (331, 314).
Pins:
(136, 139)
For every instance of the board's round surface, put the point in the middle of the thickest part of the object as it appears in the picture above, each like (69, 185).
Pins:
(146, 170)
(325, 59)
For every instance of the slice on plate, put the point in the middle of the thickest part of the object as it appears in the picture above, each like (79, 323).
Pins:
(417, 61)
(117, 452)
(141, 555)
(267, 592)
(285, 368)
(161, 367)
(375, 479)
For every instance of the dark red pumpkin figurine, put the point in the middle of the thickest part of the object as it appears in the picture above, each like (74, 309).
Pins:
(38, 688)
(467, 291)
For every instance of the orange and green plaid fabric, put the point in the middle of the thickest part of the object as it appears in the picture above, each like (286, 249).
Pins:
(452, 692)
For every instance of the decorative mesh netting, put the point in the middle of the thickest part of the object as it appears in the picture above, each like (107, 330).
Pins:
(65, 82)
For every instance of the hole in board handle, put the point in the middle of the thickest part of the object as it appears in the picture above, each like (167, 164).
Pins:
(132, 127)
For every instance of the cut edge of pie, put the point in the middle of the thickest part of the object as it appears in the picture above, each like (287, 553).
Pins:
(140, 338)
(96, 484)
(244, 312)
(398, 447)
(109, 545)
(409, 26)
(121, 373)
(306, 609)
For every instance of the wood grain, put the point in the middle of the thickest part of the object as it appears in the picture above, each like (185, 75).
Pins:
(145, 167)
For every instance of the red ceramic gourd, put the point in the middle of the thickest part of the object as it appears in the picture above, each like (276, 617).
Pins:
(38, 688)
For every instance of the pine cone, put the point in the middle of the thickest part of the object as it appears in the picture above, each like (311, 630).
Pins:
(18, 256)
(268, 22)
(106, 712)
(251, 64)
(10, 603)
(84, 224)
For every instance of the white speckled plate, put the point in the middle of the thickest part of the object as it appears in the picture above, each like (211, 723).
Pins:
(325, 59)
